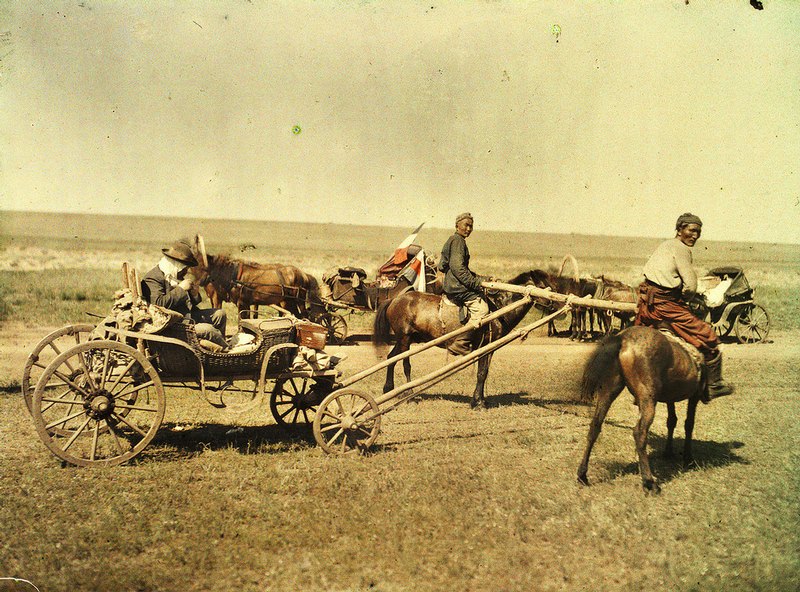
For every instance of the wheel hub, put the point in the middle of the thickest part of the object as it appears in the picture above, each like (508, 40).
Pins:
(349, 423)
(101, 405)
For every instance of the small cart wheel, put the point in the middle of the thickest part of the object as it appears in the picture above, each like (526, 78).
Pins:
(295, 399)
(46, 351)
(724, 327)
(752, 324)
(99, 403)
(347, 421)
(336, 326)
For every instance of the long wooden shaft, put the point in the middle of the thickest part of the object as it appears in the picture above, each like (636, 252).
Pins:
(574, 300)
(433, 343)
(469, 359)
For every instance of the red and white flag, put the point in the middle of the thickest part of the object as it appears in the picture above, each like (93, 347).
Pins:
(400, 255)
(414, 272)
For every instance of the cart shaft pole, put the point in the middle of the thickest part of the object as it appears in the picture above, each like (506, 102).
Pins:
(469, 359)
(433, 343)
(564, 298)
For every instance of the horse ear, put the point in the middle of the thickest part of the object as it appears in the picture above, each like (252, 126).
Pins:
(200, 247)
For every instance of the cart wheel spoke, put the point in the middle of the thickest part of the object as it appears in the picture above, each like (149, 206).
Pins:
(355, 418)
(88, 424)
(49, 348)
(300, 394)
(752, 324)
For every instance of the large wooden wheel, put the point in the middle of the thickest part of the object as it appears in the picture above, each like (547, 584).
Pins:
(99, 403)
(347, 421)
(752, 324)
(294, 400)
(46, 351)
(336, 326)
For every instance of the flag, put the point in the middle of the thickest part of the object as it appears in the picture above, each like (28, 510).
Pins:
(414, 272)
(400, 255)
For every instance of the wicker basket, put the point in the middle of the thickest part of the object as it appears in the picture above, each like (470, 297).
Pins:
(174, 360)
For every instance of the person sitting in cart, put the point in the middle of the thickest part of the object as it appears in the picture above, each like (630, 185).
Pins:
(169, 285)
(461, 285)
(669, 282)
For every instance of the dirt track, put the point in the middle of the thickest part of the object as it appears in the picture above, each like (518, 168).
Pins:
(514, 366)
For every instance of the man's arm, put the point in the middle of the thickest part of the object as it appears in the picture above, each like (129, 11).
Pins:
(683, 263)
(157, 294)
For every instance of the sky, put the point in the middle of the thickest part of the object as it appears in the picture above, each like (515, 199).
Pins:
(595, 117)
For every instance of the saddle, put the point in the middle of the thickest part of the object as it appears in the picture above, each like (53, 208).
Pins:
(445, 305)
(694, 354)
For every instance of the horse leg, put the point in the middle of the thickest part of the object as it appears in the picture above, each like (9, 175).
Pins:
(688, 428)
(478, 401)
(407, 369)
(647, 411)
(672, 421)
(604, 400)
(401, 346)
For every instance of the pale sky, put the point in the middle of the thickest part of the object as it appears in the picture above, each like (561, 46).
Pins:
(605, 117)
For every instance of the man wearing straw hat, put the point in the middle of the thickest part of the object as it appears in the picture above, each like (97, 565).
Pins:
(461, 285)
(169, 285)
(669, 281)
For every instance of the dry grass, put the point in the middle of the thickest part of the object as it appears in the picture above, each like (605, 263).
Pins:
(448, 499)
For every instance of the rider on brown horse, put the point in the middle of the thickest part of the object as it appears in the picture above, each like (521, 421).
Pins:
(670, 280)
(461, 285)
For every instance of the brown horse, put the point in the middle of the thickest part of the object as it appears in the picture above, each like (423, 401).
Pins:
(415, 317)
(615, 291)
(655, 369)
(248, 284)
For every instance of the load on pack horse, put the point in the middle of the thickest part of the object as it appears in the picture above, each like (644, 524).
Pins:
(408, 267)
(248, 284)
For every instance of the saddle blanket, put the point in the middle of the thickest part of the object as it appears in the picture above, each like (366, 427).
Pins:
(463, 311)
(693, 352)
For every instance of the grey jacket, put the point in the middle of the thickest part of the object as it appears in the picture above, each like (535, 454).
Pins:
(460, 283)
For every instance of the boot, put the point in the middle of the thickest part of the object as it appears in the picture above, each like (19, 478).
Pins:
(716, 386)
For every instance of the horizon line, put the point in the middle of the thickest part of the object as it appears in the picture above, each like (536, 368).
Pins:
(222, 219)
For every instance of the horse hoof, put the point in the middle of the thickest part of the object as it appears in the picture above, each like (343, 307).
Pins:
(583, 480)
(481, 406)
(651, 487)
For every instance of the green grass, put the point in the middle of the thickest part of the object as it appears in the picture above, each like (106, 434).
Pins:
(449, 499)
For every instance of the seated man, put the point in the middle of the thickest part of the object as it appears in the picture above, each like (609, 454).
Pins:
(669, 282)
(461, 285)
(168, 285)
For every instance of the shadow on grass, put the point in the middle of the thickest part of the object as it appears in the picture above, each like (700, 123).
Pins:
(502, 399)
(174, 441)
(707, 455)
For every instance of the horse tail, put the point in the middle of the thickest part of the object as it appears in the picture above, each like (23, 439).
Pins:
(381, 328)
(602, 365)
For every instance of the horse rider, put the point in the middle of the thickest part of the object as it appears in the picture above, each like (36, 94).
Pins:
(461, 285)
(669, 283)
(169, 285)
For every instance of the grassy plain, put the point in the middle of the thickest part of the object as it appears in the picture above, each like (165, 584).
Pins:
(449, 499)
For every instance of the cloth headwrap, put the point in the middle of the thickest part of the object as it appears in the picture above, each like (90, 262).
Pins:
(687, 218)
(463, 216)
(171, 268)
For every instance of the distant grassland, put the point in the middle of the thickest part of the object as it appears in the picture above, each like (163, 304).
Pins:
(55, 267)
